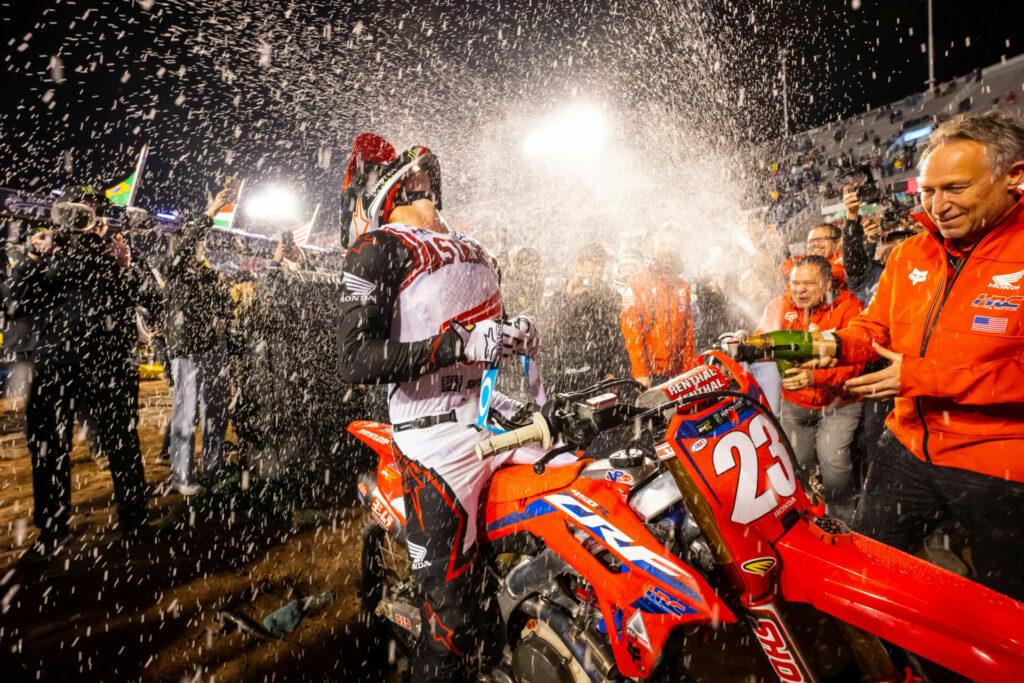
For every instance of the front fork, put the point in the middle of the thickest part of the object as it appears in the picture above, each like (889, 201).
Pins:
(766, 618)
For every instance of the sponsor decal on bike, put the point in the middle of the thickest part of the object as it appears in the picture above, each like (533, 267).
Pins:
(619, 477)
(641, 556)
(998, 303)
(403, 621)
(637, 630)
(589, 501)
(759, 566)
(698, 445)
(363, 489)
(381, 512)
(705, 379)
(664, 451)
(781, 657)
(657, 601)
(372, 436)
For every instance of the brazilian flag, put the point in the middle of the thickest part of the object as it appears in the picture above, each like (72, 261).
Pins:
(120, 193)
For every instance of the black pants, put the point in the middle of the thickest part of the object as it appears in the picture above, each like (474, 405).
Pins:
(905, 499)
(450, 580)
(109, 391)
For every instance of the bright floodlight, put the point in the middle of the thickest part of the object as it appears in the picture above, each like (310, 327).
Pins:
(580, 130)
(272, 205)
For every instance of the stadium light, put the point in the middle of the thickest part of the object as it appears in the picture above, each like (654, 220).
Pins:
(578, 131)
(273, 205)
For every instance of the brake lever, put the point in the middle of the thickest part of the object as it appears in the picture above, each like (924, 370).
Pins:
(541, 464)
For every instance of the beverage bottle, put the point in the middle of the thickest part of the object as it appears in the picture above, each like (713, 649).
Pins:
(787, 347)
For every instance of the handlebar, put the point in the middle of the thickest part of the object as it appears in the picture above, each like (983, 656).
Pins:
(536, 432)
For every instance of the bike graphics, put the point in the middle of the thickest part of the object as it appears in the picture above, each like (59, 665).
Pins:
(614, 555)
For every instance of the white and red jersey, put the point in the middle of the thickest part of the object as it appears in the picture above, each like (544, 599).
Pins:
(402, 288)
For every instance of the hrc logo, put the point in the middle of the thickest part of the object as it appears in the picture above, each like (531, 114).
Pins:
(998, 303)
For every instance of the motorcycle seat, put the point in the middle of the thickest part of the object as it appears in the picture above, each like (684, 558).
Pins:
(517, 482)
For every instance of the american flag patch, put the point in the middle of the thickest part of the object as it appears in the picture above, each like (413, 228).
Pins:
(984, 323)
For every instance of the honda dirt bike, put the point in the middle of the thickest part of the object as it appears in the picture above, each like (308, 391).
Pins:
(699, 521)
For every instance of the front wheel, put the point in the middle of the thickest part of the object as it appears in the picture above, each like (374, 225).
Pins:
(387, 575)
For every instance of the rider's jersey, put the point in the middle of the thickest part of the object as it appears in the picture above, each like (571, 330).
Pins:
(402, 286)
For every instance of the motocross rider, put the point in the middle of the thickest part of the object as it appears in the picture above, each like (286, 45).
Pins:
(420, 310)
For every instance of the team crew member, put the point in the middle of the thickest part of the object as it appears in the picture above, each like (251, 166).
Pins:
(657, 318)
(824, 240)
(949, 315)
(418, 310)
(818, 416)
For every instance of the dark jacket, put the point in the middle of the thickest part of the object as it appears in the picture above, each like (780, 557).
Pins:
(584, 342)
(862, 270)
(88, 308)
(195, 297)
(25, 303)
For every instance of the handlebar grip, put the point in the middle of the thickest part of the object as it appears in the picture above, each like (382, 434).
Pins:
(537, 432)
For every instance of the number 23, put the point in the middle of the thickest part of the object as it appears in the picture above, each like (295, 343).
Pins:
(751, 505)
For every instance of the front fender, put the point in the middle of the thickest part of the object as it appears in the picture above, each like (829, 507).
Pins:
(918, 606)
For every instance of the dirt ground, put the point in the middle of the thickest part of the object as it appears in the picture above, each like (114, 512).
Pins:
(104, 610)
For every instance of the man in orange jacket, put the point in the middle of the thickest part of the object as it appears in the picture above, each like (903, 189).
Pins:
(949, 315)
(818, 416)
(657, 319)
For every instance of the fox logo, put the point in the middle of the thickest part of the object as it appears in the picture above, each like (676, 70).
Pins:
(791, 316)
(918, 276)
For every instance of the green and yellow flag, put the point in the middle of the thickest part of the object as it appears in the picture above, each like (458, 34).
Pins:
(123, 194)
(120, 193)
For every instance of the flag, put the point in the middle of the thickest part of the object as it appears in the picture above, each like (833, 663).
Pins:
(225, 218)
(301, 233)
(123, 194)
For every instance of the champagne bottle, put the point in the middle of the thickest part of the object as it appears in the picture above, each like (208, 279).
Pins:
(787, 347)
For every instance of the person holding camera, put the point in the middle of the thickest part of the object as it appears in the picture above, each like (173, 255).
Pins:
(195, 323)
(86, 360)
(864, 268)
(288, 255)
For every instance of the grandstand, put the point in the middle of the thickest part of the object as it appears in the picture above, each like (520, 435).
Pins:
(879, 137)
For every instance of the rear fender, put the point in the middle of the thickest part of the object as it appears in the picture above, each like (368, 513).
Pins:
(920, 607)
(384, 497)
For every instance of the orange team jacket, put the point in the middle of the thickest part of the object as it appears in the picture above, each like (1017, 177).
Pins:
(781, 314)
(657, 323)
(961, 333)
(838, 269)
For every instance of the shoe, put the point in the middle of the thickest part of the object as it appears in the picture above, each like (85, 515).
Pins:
(43, 549)
(188, 490)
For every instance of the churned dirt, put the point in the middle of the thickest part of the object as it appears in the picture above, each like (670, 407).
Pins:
(106, 610)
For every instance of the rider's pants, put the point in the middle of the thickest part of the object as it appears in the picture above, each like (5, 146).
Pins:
(443, 479)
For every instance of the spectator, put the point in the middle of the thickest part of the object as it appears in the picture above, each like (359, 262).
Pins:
(86, 359)
(818, 418)
(863, 268)
(586, 344)
(946, 316)
(198, 308)
(657, 320)
(288, 254)
(523, 292)
(825, 240)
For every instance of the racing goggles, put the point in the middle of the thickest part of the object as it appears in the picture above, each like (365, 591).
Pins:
(73, 215)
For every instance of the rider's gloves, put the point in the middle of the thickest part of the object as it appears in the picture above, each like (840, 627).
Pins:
(730, 342)
(489, 341)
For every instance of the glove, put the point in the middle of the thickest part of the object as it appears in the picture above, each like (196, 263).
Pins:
(730, 342)
(489, 341)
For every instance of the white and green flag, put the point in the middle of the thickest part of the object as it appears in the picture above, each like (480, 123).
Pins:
(225, 218)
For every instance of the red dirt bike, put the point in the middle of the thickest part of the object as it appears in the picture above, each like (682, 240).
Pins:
(604, 564)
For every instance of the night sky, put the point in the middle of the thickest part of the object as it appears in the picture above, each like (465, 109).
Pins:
(278, 89)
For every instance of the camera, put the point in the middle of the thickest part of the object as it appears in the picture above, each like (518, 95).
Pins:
(868, 190)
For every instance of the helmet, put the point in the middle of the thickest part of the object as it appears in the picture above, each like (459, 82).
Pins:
(77, 207)
(377, 180)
